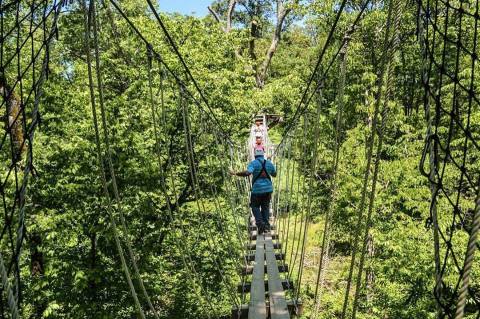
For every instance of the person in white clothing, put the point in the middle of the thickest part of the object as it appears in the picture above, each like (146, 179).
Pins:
(258, 138)
(259, 127)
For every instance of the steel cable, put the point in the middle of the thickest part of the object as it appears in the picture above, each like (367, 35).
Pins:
(185, 253)
(106, 138)
(100, 159)
(359, 225)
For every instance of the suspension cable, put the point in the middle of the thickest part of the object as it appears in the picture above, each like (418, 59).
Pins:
(304, 101)
(197, 192)
(324, 250)
(441, 143)
(393, 44)
(158, 57)
(184, 252)
(93, 17)
(433, 161)
(18, 136)
(184, 64)
(313, 76)
(88, 26)
(302, 240)
(383, 69)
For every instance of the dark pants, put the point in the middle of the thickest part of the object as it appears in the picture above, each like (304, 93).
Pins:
(260, 204)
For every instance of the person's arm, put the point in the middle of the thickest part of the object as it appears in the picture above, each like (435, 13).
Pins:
(274, 171)
(246, 173)
(243, 173)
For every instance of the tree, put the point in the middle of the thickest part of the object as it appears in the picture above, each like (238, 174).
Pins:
(255, 16)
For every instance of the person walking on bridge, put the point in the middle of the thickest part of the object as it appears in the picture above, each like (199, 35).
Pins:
(262, 171)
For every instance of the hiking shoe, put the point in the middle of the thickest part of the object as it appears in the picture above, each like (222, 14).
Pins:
(261, 230)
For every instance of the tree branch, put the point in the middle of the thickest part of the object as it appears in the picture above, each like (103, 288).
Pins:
(214, 14)
(231, 7)
(282, 13)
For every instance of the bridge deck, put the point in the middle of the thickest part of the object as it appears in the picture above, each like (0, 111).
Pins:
(278, 303)
(264, 256)
(267, 293)
(266, 260)
(257, 308)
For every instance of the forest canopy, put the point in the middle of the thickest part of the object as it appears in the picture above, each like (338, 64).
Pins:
(122, 123)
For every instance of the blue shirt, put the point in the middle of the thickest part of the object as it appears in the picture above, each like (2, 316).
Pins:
(262, 184)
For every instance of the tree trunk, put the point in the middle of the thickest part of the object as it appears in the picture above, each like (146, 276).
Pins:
(261, 69)
(229, 14)
(13, 119)
(231, 7)
(253, 34)
(261, 74)
(36, 271)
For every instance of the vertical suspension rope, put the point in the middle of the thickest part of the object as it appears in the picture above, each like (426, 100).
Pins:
(295, 242)
(281, 231)
(243, 200)
(393, 44)
(163, 186)
(12, 302)
(307, 204)
(215, 193)
(475, 230)
(276, 200)
(468, 264)
(93, 17)
(19, 133)
(226, 180)
(430, 145)
(359, 226)
(88, 26)
(280, 221)
(289, 199)
(197, 191)
(324, 252)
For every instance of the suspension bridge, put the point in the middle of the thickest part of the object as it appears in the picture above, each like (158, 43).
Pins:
(270, 266)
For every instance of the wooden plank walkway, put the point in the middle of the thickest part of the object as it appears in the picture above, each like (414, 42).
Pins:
(278, 303)
(263, 255)
(257, 308)
(266, 286)
(266, 259)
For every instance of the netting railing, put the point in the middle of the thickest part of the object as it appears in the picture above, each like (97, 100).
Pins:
(27, 29)
(448, 33)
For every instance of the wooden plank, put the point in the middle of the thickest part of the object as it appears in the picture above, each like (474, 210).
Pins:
(271, 220)
(248, 270)
(247, 286)
(253, 235)
(251, 257)
(253, 246)
(257, 308)
(278, 303)
(294, 307)
(254, 227)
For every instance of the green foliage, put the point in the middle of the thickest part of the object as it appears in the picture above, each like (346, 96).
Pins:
(184, 233)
